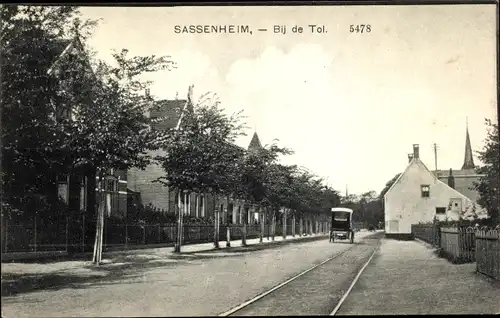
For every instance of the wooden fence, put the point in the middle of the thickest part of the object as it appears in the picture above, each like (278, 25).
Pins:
(488, 253)
(464, 245)
(458, 244)
(429, 233)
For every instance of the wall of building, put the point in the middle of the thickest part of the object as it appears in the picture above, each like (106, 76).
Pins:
(404, 204)
(151, 192)
(115, 198)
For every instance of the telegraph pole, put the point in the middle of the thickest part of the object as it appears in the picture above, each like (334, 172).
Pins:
(435, 157)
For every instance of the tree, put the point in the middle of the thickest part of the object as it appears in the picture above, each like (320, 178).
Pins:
(107, 127)
(199, 155)
(489, 185)
(255, 176)
(31, 38)
(66, 117)
(279, 188)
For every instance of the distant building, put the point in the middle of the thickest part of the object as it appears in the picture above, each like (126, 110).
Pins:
(419, 196)
(462, 180)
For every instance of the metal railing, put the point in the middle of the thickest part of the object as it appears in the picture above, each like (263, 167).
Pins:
(76, 235)
(38, 235)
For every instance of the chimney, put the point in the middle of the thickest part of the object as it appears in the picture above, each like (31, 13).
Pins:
(410, 157)
(451, 180)
(415, 151)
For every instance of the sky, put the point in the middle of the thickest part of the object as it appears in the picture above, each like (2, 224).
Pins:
(350, 105)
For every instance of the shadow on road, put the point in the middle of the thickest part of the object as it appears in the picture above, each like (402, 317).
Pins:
(85, 276)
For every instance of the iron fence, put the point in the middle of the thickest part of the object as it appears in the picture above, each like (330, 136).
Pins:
(73, 235)
(37, 235)
(488, 253)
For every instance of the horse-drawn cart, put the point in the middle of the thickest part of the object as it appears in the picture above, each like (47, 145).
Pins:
(341, 225)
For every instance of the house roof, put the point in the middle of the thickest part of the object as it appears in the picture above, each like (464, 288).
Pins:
(457, 173)
(64, 47)
(400, 175)
(167, 113)
(418, 161)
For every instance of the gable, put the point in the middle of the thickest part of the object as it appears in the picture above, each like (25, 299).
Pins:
(416, 174)
(69, 50)
(167, 113)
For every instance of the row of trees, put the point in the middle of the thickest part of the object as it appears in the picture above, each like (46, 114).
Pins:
(200, 156)
(80, 116)
(369, 207)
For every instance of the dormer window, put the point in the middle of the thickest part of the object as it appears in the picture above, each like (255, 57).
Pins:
(425, 190)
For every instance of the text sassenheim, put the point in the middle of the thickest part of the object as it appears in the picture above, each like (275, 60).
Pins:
(207, 28)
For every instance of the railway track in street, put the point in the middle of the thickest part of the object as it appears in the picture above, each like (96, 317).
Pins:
(318, 290)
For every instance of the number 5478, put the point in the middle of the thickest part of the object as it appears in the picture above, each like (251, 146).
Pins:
(360, 28)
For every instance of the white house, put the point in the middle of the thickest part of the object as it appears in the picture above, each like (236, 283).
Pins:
(418, 196)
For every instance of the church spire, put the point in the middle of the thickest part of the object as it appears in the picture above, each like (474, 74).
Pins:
(255, 142)
(468, 159)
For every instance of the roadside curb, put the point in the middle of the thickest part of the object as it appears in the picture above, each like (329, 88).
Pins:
(258, 246)
(64, 256)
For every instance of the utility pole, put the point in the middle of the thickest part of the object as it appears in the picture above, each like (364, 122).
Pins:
(435, 157)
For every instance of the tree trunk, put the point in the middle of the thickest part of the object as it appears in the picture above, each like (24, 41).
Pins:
(273, 225)
(244, 230)
(228, 228)
(284, 223)
(293, 224)
(216, 224)
(178, 243)
(97, 255)
(262, 224)
(91, 212)
(301, 226)
(268, 222)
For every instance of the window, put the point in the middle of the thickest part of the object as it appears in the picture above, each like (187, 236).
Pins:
(425, 189)
(440, 210)
(110, 185)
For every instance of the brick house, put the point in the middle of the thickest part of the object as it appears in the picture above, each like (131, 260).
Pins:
(79, 189)
(167, 114)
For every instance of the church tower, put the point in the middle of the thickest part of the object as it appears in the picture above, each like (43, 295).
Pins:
(255, 142)
(468, 159)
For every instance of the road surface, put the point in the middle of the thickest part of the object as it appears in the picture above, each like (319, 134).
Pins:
(153, 285)
(307, 278)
